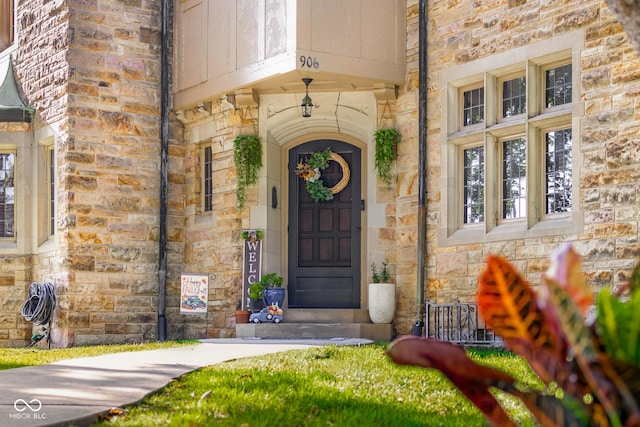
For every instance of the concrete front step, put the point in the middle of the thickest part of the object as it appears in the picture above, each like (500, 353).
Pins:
(293, 330)
(326, 315)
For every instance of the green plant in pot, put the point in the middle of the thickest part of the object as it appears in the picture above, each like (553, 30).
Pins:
(382, 295)
(256, 302)
(273, 292)
(381, 276)
(247, 155)
(386, 141)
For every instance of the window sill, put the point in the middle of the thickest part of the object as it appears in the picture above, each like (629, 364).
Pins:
(513, 230)
(8, 245)
(48, 245)
(203, 218)
(7, 51)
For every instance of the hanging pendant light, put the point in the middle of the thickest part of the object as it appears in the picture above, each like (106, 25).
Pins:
(306, 105)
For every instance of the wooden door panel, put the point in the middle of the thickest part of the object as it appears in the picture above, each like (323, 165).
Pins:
(333, 292)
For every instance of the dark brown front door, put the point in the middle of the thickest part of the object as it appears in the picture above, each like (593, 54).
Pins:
(324, 237)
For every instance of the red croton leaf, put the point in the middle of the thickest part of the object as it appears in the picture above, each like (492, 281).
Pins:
(471, 379)
(509, 306)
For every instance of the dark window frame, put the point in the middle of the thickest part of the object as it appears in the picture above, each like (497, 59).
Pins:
(207, 179)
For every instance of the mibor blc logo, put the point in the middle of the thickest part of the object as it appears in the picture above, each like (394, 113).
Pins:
(27, 410)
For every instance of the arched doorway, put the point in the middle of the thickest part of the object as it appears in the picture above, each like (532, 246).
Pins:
(324, 238)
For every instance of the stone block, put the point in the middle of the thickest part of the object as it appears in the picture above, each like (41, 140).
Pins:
(7, 280)
(615, 230)
(576, 18)
(620, 195)
(149, 35)
(451, 264)
(622, 153)
(80, 263)
(599, 216)
(91, 302)
(595, 249)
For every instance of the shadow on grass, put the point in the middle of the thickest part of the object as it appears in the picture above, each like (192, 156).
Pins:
(11, 365)
(273, 395)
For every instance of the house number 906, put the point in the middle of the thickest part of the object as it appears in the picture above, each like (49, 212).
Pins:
(309, 62)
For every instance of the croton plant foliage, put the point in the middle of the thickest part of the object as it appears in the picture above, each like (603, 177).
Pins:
(589, 360)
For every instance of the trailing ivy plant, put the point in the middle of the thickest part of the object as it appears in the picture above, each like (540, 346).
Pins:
(247, 155)
(386, 140)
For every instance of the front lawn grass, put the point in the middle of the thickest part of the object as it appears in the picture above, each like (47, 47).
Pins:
(324, 386)
(20, 357)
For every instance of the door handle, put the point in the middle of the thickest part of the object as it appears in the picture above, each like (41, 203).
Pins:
(358, 228)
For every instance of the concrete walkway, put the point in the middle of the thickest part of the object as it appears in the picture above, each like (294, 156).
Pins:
(74, 392)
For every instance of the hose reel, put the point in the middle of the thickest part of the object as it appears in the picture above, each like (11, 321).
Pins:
(39, 308)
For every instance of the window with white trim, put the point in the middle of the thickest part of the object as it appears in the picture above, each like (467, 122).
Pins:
(558, 171)
(514, 178)
(509, 146)
(557, 86)
(7, 194)
(513, 96)
(473, 184)
(472, 106)
(51, 190)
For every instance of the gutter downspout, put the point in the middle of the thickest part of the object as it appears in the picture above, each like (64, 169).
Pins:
(422, 154)
(164, 149)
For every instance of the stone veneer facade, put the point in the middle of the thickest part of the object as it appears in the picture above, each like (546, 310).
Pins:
(460, 33)
(606, 134)
(91, 70)
(42, 73)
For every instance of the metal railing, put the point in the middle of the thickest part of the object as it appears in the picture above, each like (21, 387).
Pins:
(458, 323)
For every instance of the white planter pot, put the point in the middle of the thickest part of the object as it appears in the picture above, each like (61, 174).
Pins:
(382, 302)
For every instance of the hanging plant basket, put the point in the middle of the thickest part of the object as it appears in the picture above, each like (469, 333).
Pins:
(386, 141)
(247, 155)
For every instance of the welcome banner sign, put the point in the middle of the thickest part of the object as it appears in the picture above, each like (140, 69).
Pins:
(252, 262)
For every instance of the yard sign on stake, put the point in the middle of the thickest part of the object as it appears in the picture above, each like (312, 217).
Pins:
(194, 293)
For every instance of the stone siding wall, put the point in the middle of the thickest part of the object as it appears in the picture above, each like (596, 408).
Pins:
(92, 71)
(40, 61)
(15, 276)
(401, 236)
(213, 240)
(461, 32)
(42, 74)
(110, 180)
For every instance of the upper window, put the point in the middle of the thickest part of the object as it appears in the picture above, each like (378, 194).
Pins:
(207, 179)
(558, 86)
(7, 194)
(509, 154)
(6, 23)
(514, 97)
(473, 106)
